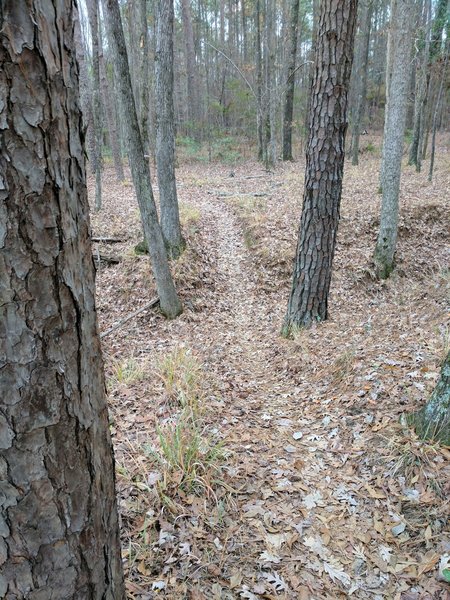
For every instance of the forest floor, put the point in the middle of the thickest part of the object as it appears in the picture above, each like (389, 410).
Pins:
(251, 466)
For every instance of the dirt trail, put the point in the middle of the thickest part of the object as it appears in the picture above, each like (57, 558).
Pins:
(279, 441)
(244, 325)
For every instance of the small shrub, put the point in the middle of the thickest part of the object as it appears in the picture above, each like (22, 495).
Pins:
(181, 374)
(189, 459)
(127, 372)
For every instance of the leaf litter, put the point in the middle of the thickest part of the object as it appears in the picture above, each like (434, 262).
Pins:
(323, 492)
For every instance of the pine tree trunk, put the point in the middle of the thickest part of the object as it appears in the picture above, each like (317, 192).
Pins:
(433, 420)
(290, 84)
(324, 165)
(165, 137)
(361, 75)
(394, 129)
(92, 7)
(59, 533)
(169, 302)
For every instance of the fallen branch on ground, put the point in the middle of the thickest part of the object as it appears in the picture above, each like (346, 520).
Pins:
(237, 194)
(107, 240)
(150, 304)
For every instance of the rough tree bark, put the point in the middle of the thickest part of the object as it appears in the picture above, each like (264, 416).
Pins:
(361, 75)
(92, 7)
(324, 165)
(59, 533)
(165, 135)
(169, 302)
(290, 84)
(394, 129)
(433, 420)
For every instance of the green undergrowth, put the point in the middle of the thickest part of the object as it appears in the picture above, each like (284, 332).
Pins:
(188, 456)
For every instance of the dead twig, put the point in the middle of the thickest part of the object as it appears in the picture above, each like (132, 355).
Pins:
(150, 304)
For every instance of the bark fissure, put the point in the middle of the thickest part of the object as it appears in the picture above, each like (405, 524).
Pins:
(60, 537)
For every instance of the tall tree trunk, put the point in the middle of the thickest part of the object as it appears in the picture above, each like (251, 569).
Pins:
(269, 75)
(165, 137)
(362, 54)
(144, 72)
(433, 420)
(85, 94)
(259, 78)
(436, 111)
(324, 165)
(111, 116)
(422, 88)
(290, 84)
(314, 41)
(389, 62)
(59, 534)
(191, 69)
(169, 302)
(92, 7)
(394, 129)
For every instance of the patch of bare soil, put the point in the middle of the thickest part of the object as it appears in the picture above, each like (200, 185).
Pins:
(318, 490)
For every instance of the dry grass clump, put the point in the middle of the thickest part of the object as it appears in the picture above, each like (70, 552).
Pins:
(126, 372)
(181, 372)
(187, 455)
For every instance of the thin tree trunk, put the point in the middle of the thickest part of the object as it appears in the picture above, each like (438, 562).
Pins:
(85, 95)
(259, 78)
(324, 165)
(92, 8)
(191, 68)
(269, 95)
(435, 115)
(422, 88)
(165, 138)
(361, 75)
(169, 302)
(389, 66)
(59, 521)
(394, 129)
(290, 84)
(111, 117)
(144, 71)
